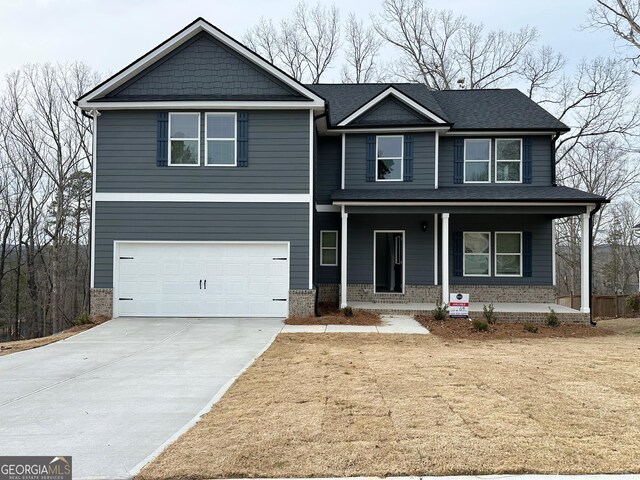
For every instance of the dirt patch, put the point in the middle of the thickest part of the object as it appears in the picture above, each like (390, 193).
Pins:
(331, 315)
(19, 345)
(342, 405)
(458, 328)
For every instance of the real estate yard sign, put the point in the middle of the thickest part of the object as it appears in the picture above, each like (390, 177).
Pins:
(459, 305)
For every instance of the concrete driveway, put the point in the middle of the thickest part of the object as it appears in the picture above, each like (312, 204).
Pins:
(111, 396)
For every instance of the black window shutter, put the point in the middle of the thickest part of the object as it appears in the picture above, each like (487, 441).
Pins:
(371, 158)
(526, 160)
(408, 158)
(458, 160)
(458, 255)
(163, 139)
(527, 254)
(243, 139)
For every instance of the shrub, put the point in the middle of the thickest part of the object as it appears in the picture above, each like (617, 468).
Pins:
(531, 328)
(487, 311)
(82, 319)
(552, 318)
(347, 311)
(440, 312)
(633, 302)
(480, 325)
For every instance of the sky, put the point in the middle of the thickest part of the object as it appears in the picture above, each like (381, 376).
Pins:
(109, 34)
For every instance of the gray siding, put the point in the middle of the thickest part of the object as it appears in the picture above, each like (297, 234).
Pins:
(423, 163)
(328, 168)
(203, 67)
(326, 221)
(540, 162)
(418, 246)
(202, 222)
(391, 112)
(278, 157)
(538, 225)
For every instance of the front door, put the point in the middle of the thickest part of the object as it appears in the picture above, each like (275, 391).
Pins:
(389, 261)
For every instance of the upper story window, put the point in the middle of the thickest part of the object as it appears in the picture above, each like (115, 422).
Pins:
(477, 160)
(184, 139)
(221, 136)
(389, 153)
(477, 254)
(508, 160)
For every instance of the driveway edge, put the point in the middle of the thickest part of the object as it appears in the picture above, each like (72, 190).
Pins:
(215, 399)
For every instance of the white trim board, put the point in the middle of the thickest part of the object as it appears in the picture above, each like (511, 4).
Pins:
(353, 203)
(206, 104)
(204, 197)
(168, 46)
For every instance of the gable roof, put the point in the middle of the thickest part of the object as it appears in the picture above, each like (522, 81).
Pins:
(96, 96)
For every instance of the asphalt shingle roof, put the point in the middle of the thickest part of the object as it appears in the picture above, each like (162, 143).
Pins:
(470, 193)
(495, 109)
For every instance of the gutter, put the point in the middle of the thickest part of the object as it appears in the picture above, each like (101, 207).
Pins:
(554, 150)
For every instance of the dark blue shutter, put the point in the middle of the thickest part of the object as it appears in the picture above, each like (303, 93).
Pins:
(458, 255)
(371, 158)
(408, 158)
(243, 139)
(527, 254)
(163, 139)
(526, 160)
(458, 160)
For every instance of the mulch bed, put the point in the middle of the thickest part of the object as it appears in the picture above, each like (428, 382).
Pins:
(331, 315)
(461, 328)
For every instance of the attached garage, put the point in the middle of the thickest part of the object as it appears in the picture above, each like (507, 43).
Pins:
(201, 279)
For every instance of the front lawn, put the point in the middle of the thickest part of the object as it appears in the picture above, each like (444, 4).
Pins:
(380, 405)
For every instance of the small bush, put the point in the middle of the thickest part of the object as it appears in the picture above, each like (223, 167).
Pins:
(480, 325)
(347, 311)
(82, 319)
(552, 318)
(440, 312)
(487, 311)
(530, 327)
(633, 302)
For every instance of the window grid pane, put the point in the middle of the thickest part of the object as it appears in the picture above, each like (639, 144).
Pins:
(389, 169)
(507, 264)
(389, 147)
(507, 171)
(329, 239)
(476, 264)
(508, 243)
(184, 152)
(184, 126)
(221, 126)
(478, 149)
(508, 150)
(329, 256)
(221, 152)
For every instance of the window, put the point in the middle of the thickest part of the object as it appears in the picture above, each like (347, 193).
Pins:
(329, 248)
(389, 151)
(508, 254)
(477, 160)
(184, 139)
(477, 254)
(220, 149)
(509, 160)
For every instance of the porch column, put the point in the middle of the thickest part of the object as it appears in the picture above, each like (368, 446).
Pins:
(343, 258)
(445, 258)
(585, 286)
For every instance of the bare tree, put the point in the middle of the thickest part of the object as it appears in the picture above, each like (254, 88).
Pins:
(541, 70)
(362, 52)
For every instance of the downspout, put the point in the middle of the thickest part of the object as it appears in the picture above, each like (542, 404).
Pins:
(554, 138)
(591, 321)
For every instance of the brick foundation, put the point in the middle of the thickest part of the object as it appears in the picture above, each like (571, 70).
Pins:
(302, 303)
(507, 293)
(101, 301)
(412, 294)
(328, 292)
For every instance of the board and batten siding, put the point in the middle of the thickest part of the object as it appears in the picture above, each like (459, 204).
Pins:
(326, 221)
(328, 168)
(541, 170)
(278, 157)
(423, 163)
(168, 221)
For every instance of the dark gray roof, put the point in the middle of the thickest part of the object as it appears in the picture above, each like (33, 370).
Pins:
(471, 193)
(495, 109)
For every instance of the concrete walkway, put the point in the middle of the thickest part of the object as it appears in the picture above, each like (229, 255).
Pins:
(392, 324)
(111, 396)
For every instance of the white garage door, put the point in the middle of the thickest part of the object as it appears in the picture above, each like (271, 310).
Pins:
(202, 279)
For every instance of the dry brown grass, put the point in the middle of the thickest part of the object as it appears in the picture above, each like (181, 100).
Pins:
(331, 315)
(19, 345)
(624, 326)
(377, 405)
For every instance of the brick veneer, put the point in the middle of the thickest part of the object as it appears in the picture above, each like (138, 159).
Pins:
(302, 303)
(101, 301)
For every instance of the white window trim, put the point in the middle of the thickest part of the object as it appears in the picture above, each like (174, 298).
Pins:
(465, 161)
(404, 263)
(465, 254)
(171, 139)
(507, 161)
(207, 139)
(322, 264)
(401, 179)
(495, 257)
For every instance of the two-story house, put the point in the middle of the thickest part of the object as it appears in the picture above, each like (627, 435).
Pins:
(224, 187)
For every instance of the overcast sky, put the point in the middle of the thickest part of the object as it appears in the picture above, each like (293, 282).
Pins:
(109, 34)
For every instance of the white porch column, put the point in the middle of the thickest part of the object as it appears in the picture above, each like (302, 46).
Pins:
(445, 258)
(343, 258)
(584, 266)
(435, 248)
